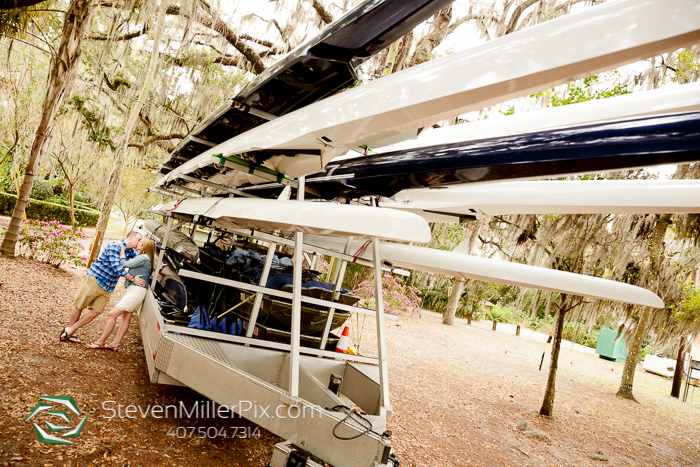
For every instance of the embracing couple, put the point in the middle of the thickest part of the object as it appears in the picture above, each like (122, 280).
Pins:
(133, 252)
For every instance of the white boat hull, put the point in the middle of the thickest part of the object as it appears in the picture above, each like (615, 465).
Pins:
(503, 272)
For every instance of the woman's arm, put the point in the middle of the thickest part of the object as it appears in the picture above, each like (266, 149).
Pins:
(140, 260)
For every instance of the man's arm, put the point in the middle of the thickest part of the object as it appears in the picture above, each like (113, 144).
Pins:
(138, 280)
(112, 253)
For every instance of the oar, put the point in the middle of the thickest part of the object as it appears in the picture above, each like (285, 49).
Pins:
(236, 306)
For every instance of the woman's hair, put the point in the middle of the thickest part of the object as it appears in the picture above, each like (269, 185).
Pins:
(149, 248)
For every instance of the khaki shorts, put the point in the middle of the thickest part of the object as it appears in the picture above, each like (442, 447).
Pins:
(91, 295)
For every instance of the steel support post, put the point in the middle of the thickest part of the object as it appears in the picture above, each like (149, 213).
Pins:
(296, 302)
(384, 401)
(338, 280)
(164, 243)
(259, 295)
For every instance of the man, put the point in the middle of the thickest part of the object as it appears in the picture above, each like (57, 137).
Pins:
(99, 283)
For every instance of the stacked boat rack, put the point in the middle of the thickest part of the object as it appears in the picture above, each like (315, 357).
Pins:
(327, 405)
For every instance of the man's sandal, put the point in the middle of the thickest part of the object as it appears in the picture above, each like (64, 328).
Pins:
(64, 337)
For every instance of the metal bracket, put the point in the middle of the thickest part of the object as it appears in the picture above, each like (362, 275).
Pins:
(242, 165)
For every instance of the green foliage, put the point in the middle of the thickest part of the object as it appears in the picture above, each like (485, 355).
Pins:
(57, 185)
(51, 242)
(586, 92)
(578, 330)
(92, 122)
(536, 323)
(133, 196)
(643, 352)
(41, 189)
(501, 313)
(6, 183)
(687, 67)
(14, 22)
(59, 200)
(510, 111)
(688, 309)
(43, 210)
(353, 275)
(507, 314)
(435, 300)
(448, 237)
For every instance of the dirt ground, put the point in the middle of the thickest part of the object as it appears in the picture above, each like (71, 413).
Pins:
(458, 394)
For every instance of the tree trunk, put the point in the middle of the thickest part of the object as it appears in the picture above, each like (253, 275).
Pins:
(627, 382)
(678, 374)
(449, 316)
(117, 168)
(404, 49)
(71, 204)
(77, 20)
(547, 408)
(424, 48)
(656, 249)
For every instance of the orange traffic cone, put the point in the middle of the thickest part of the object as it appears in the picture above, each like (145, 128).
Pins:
(343, 342)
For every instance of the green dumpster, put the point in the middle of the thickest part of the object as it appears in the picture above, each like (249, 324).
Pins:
(610, 348)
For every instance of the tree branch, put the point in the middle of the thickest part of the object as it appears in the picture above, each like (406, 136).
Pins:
(326, 17)
(156, 138)
(516, 14)
(464, 19)
(114, 85)
(229, 60)
(123, 37)
(217, 25)
(497, 245)
(428, 43)
(152, 135)
(566, 6)
(263, 42)
(226, 60)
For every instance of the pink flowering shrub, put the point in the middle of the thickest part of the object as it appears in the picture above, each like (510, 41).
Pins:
(402, 300)
(52, 243)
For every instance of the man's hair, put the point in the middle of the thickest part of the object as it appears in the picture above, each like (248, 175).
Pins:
(133, 233)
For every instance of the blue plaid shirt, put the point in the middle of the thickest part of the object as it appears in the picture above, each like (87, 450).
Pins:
(107, 269)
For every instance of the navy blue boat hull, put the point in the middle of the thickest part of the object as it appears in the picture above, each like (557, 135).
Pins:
(668, 139)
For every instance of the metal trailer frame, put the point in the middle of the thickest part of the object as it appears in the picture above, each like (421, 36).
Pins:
(281, 387)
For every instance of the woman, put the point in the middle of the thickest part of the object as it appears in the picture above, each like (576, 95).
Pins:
(142, 266)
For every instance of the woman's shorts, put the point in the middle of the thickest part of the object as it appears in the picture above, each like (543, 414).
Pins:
(133, 298)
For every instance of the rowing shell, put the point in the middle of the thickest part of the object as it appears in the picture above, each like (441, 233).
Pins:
(491, 270)
(602, 38)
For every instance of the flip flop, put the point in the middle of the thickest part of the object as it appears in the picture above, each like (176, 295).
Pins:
(74, 339)
(96, 346)
(109, 347)
(64, 337)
